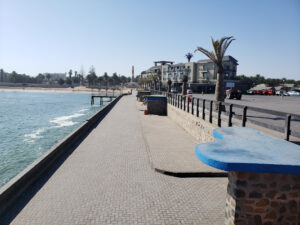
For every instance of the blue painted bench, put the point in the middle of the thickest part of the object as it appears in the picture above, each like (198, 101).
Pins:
(264, 175)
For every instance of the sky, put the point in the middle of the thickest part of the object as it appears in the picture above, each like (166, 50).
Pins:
(58, 35)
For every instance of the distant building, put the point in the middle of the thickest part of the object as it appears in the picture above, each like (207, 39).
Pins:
(201, 74)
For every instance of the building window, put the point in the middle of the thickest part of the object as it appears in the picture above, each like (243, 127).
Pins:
(205, 75)
(181, 75)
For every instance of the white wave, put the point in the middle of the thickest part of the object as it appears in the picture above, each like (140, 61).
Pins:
(83, 110)
(65, 121)
(35, 134)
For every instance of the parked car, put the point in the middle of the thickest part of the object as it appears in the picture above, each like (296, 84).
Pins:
(189, 91)
(174, 90)
(233, 93)
(281, 92)
(293, 93)
(188, 97)
(250, 92)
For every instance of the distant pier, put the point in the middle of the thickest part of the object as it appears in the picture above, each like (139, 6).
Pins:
(103, 98)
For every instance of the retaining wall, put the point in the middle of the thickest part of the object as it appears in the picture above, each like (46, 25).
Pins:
(19, 184)
(195, 126)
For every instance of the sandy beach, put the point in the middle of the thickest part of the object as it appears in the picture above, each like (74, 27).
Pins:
(79, 89)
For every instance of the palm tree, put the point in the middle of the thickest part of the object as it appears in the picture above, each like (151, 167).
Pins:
(169, 85)
(220, 47)
(189, 56)
(184, 84)
(154, 80)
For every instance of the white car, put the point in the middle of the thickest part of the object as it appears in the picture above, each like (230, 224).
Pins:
(294, 93)
(189, 91)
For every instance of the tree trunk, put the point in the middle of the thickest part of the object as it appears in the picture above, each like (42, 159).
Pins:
(184, 87)
(220, 89)
(169, 88)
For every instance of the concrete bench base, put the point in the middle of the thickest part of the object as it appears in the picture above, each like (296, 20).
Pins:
(262, 198)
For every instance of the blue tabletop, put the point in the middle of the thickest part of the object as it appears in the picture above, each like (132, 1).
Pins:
(244, 149)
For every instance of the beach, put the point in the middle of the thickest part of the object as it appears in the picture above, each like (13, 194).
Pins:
(79, 89)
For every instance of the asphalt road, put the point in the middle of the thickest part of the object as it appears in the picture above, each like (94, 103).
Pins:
(287, 104)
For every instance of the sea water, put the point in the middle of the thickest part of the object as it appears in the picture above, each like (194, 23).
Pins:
(32, 122)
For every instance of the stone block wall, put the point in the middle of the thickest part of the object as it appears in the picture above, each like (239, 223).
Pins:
(262, 199)
(195, 126)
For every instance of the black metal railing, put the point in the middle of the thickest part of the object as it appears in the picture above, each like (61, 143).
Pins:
(185, 102)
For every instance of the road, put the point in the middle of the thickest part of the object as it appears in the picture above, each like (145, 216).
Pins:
(287, 104)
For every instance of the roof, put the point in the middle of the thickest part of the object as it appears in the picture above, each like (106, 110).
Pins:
(225, 58)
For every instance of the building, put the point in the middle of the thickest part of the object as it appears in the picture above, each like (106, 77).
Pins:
(201, 75)
(207, 70)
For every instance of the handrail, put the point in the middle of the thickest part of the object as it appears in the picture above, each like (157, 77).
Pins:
(179, 101)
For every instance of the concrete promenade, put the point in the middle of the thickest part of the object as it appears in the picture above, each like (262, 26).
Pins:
(108, 180)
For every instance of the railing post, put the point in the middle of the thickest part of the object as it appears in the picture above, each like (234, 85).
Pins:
(180, 101)
(230, 115)
(197, 107)
(178, 97)
(287, 128)
(193, 105)
(210, 111)
(203, 109)
(244, 116)
(219, 114)
(188, 104)
(184, 103)
(173, 97)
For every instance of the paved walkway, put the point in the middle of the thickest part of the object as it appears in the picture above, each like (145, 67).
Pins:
(171, 148)
(108, 180)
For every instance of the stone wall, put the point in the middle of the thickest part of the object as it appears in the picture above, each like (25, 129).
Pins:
(195, 126)
(262, 199)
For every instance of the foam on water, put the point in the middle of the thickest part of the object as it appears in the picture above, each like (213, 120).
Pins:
(65, 121)
(30, 138)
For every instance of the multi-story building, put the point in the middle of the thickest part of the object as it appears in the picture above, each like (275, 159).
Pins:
(207, 70)
(200, 74)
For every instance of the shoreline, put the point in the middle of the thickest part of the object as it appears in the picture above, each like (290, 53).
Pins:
(80, 89)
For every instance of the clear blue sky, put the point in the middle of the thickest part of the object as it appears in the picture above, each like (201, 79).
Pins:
(58, 35)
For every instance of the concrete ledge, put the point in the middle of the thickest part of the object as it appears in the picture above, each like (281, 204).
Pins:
(19, 184)
(195, 126)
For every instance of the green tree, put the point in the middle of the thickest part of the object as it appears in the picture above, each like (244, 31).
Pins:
(13, 77)
(48, 76)
(220, 47)
(105, 78)
(61, 81)
(92, 77)
(39, 78)
(1, 75)
(70, 74)
(69, 81)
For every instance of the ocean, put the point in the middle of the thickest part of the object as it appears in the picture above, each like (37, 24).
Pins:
(32, 122)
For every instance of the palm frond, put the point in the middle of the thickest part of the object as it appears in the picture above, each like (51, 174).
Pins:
(210, 55)
(226, 45)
